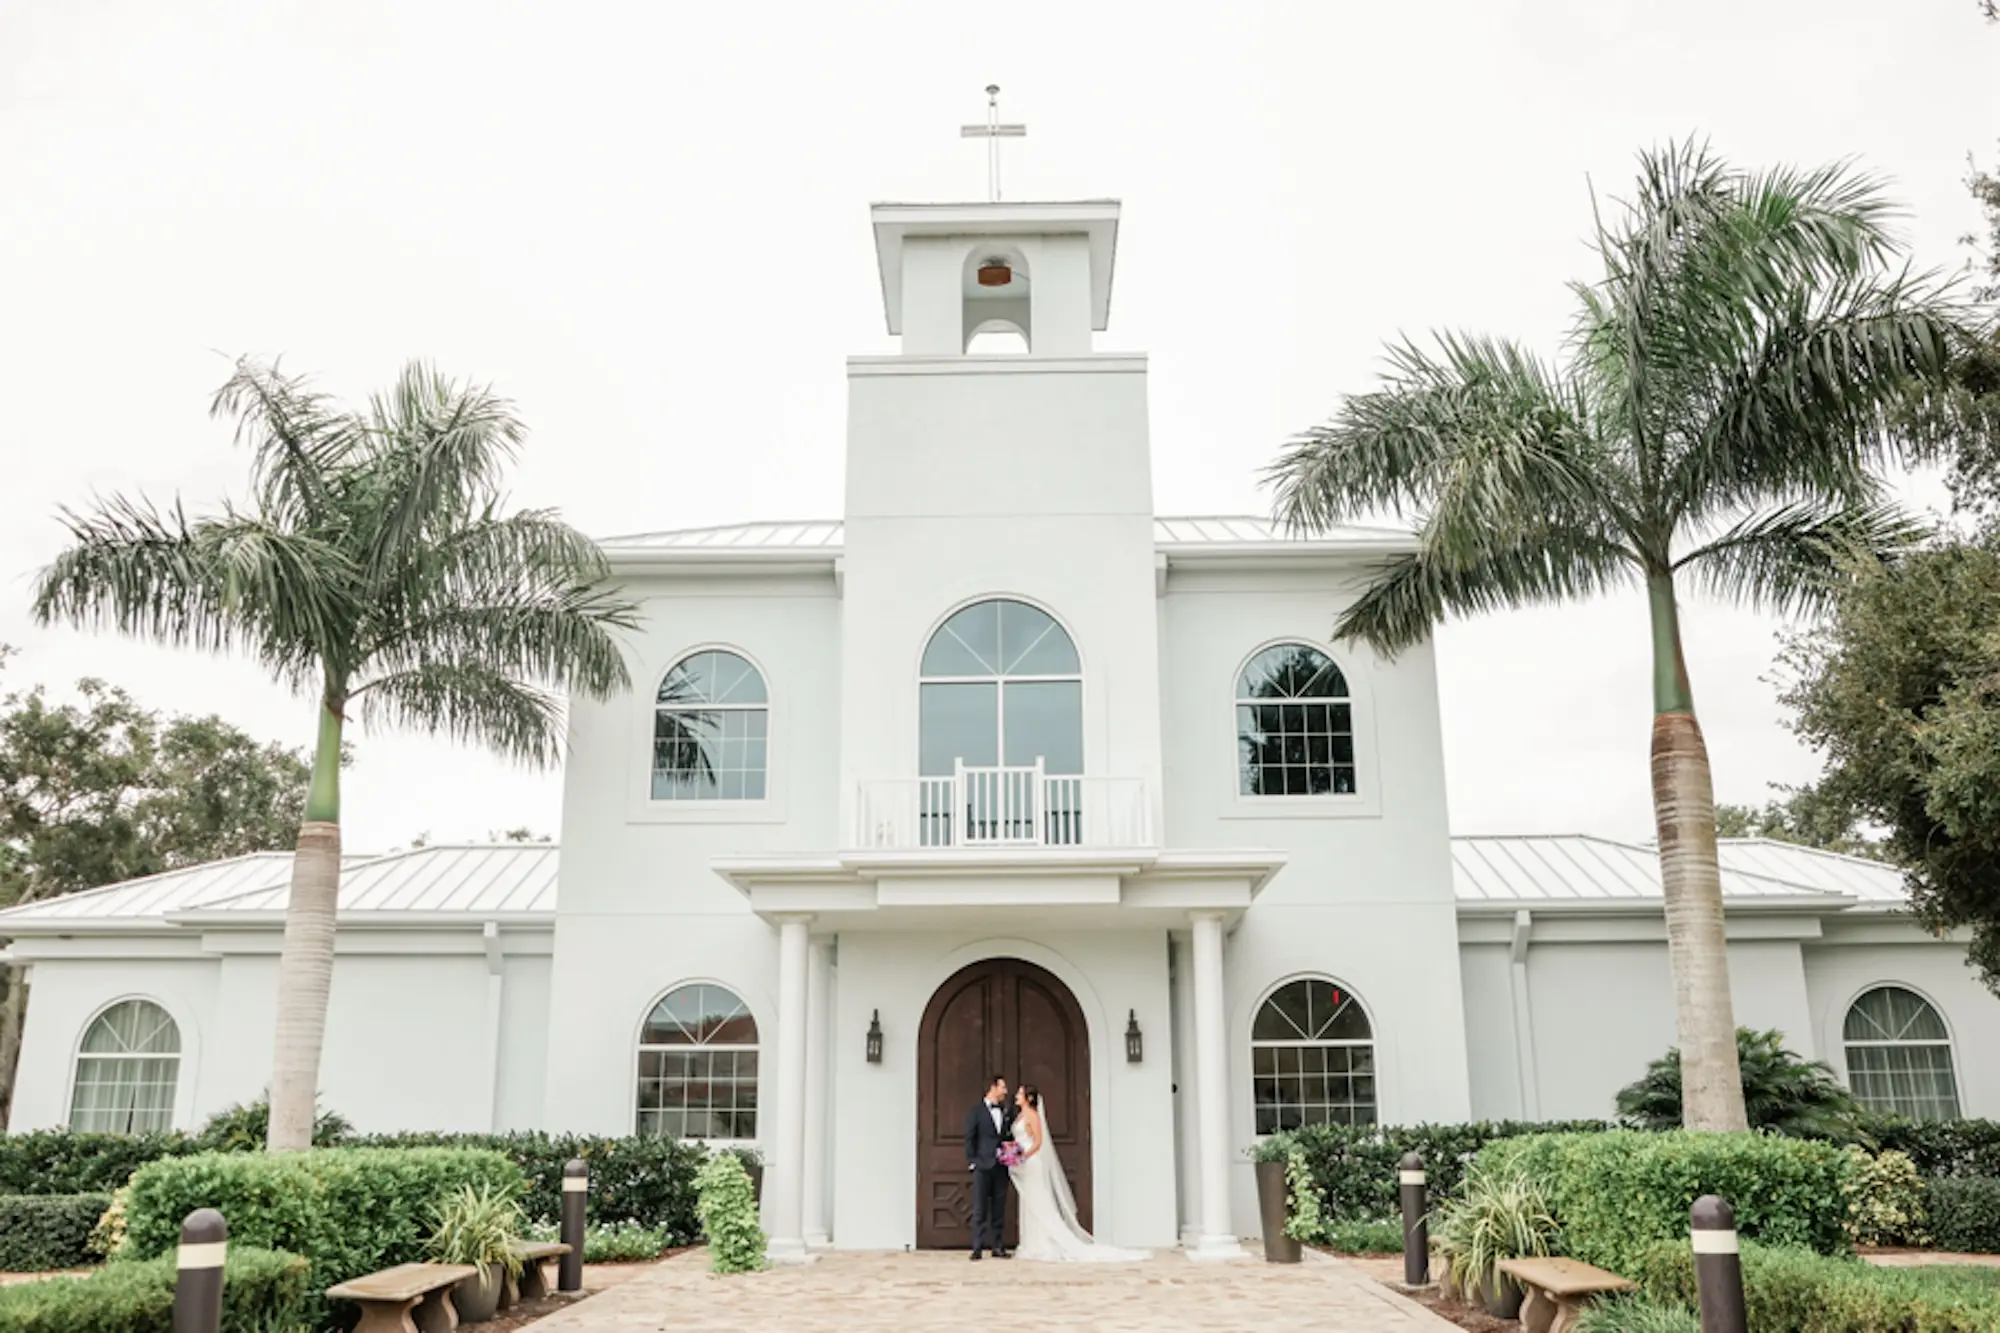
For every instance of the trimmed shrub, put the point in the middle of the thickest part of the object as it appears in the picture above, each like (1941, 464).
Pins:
(617, 1243)
(1616, 1193)
(1637, 1316)
(347, 1211)
(1963, 1215)
(1354, 1166)
(1886, 1203)
(647, 1181)
(1365, 1237)
(260, 1290)
(1789, 1290)
(40, 1233)
(1940, 1147)
(55, 1161)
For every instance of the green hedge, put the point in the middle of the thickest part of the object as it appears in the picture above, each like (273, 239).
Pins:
(1614, 1194)
(1963, 1215)
(40, 1233)
(645, 1181)
(260, 1291)
(1941, 1147)
(1789, 1290)
(55, 1161)
(347, 1211)
(1354, 1166)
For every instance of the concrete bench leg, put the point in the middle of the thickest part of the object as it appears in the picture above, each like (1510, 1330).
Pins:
(437, 1314)
(534, 1279)
(387, 1316)
(510, 1290)
(1538, 1312)
(1568, 1311)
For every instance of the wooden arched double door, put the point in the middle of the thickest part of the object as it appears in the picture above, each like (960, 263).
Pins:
(1000, 1016)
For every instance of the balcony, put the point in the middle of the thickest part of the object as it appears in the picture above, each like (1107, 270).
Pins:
(993, 808)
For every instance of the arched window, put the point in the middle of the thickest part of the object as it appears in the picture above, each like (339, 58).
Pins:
(698, 1066)
(1899, 1055)
(1312, 1058)
(1294, 725)
(1002, 695)
(126, 1071)
(711, 726)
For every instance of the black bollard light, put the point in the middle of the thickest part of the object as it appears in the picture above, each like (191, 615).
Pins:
(198, 1272)
(1416, 1231)
(1718, 1266)
(575, 1193)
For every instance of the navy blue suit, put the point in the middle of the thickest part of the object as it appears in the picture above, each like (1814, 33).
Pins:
(989, 1178)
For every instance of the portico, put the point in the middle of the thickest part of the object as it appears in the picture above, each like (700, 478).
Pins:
(874, 936)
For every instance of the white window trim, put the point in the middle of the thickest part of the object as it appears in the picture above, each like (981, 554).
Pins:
(1365, 803)
(1950, 1041)
(1000, 682)
(182, 1114)
(644, 809)
(635, 1046)
(1250, 1045)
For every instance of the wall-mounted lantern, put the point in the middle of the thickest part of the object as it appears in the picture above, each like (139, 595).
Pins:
(875, 1038)
(1135, 1048)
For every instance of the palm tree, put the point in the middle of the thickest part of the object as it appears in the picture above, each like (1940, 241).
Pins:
(373, 570)
(1716, 423)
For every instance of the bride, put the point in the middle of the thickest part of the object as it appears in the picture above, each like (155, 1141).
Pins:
(1049, 1228)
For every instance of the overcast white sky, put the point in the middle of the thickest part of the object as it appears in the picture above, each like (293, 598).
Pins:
(647, 223)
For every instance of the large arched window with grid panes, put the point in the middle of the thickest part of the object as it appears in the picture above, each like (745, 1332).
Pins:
(698, 1066)
(1294, 725)
(127, 1071)
(1312, 1058)
(1899, 1055)
(1000, 729)
(711, 730)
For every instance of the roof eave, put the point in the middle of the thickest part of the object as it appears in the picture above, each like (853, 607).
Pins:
(1786, 905)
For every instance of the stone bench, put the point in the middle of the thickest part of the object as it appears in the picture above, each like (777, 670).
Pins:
(533, 1280)
(1558, 1290)
(409, 1298)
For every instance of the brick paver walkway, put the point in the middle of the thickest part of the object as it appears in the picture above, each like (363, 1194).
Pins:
(850, 1291)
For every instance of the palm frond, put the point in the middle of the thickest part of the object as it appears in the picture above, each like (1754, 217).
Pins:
(471, 703)
(555, 636)
(1408, 596)
(297, 437)
(439, 453)
(1796, 557)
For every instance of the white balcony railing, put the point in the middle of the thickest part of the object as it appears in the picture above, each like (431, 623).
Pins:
(1003, 807)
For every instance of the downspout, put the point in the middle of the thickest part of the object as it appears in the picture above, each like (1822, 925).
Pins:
(495, 982)
(1525, 1069)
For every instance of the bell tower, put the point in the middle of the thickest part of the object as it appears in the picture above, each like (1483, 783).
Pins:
(1023, 476)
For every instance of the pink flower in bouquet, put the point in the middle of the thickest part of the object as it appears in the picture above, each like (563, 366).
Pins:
(1010, 1154)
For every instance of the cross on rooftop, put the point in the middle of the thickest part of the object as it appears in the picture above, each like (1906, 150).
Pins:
(993, 132)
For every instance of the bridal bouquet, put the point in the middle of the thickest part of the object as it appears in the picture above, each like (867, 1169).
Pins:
(1010, 1154)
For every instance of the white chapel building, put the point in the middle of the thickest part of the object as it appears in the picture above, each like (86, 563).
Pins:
(990, 775)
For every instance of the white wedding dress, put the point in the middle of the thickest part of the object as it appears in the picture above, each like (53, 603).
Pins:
(1050, 1231)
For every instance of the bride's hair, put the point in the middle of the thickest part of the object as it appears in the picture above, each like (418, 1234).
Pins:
(1033, 1095)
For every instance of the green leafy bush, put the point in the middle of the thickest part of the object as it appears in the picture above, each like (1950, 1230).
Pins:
(1783, 1092)
(1353, 1167)
(348, 1211)
(648, 1180)
(1637, 1316)
(1498, 1213)
(55, 1161)
(615, 1243)
(1886, 1201)
(246, 1127)
(1963, 1215)
(40, 1233)
(1365, 1237)
(1790, 1290)
(1940, 1147)
(260, 1290)
(728, 1210)
(1616, 1193)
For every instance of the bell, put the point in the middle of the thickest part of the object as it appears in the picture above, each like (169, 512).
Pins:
(995, 273)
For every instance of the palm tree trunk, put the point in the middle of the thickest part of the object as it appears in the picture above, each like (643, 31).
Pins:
(305, 968)
(1697, 949)
(13, 1016)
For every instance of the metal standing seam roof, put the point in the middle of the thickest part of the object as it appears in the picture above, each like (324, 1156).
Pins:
(824, 535)
(509, 878)
(1576, 868)
(474, 879)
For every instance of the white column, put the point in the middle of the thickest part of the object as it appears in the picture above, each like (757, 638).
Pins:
(819, 973)
(784, 1171)
(1218, 1238)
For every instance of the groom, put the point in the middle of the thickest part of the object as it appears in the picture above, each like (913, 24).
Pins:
(986, 1127)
